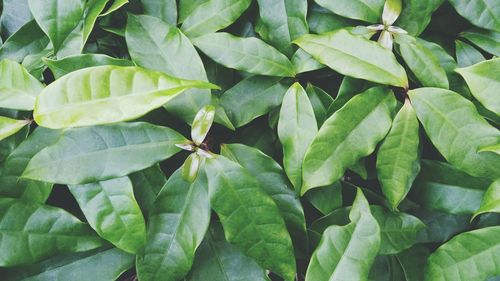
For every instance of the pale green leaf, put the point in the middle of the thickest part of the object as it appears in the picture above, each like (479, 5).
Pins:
(355, 56)
(391, 12)
(106, 94)
(491, 200)
(202, 123)
(18, 89)
(457, 130)
(365, 10)
(296, 129)
(111, 210)
(72, 63)
(9, 126)
(487, 40)
(466, 54)
(91, 154)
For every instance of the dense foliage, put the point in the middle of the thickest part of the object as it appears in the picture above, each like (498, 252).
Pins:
(210, 140)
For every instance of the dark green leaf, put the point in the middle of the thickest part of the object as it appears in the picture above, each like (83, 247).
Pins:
(365, 10)
(482, 13)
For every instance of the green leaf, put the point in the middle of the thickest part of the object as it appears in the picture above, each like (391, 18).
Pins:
(106, 264)
(391, 12)
(249, 216)
(251, 98)
(191, 167)
(32, 232)
(347, 252)
(491, 200)
(471, 256)
(10, 143)
(348, 89)
(153, 44)
(281, 22)
(355, 56)
(483, 82)
(165, 10)
(320, 101)
(422, 62)
(492, 148)
(176, 226)
(487, 40)
(304, 62)
(365, 117)
(246, 54)
(9, 126)
(15, 13)
(106, 94)
(186, 7)
(440, 187)
(29, 39)
(326, 199)
(412, 261)
(481, 13)
(416, 15)
(213, 15)
(18, 89)
(72, 63)
(147, 184)
(398, 159)
(440, 226)
(297, 127)
(365, 10)
(467, 55)
(202, 123)
(10, 183)
(110, 208)
(386, 268)
(216, 259)
(458, 133)
(398, 230)
(92, 154)
(274, 182)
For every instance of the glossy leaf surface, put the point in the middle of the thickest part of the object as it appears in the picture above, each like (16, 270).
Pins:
(365, 10)
(18, 89)
(86, 155)
(354, 56)
(491, 199)
(348, 135)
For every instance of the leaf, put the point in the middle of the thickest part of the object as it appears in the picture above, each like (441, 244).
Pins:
(467, 55)
(304, 62)
(422, 62)
(10, 183)
(440, 226)
(412, 261)
(493, 148)
(296, 129)
(18, 89)
(281, 22)
(213, 15)
(32, 232)
(483, 82)
(440, 187)
(153, 44)
(365, 10)
(326, 199)
(347, 252)
(398, 231)
(191, 167)
(481, 13)
(91, 154)
(386, 268)
(202, 123)
(321, 20)
(274, 182)
(320, 101)
(251, 98)
(416, 15)
(10, 143)
(491, 200)
(115, 93)
(106, 264)
(110, 208)
(398, 159)
(186, 7)
(15, 13)
(147, 184)
(72, 63)
(29, 39)
(249, 216)
(471, 256)
(336, 147)
(355, 56)
(176, 227)
(9, 126)
(216, 259)
(165, 10)
(246, 54)
(348, 89)
(487, 40)
(391, 12)
(458, 133)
